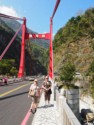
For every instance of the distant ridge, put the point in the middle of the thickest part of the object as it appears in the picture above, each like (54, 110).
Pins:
(14, 25)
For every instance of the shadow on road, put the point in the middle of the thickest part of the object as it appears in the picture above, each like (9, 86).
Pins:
(2, 98)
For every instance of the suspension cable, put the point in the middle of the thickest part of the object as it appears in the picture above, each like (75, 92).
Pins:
(56, 6)
(11, 17)
(12, 40)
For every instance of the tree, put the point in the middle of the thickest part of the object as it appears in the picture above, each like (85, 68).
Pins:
(67, 72)
(91, 73)
(7, 66)
(13, 71)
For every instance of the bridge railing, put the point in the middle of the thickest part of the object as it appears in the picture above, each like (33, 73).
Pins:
(65, 115)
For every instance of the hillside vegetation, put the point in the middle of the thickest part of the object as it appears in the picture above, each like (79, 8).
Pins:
(74, 51)
(75, 43)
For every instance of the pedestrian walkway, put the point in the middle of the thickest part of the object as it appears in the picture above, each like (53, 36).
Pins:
(45, 115)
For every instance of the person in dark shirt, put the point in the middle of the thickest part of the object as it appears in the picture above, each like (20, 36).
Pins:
(47, 90)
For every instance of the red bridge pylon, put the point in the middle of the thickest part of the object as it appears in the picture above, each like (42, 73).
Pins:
(47, 36)
(22, 58)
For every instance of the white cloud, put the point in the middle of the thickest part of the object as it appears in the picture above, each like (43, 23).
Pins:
(8, 11)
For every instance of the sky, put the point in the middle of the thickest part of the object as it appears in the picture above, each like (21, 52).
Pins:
(38, 12)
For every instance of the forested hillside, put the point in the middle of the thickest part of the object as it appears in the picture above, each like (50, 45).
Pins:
(36, 57)
(75, 43)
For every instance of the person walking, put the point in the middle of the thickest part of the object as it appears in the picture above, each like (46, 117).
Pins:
(47, 90)
(34, 93)
(5, 80)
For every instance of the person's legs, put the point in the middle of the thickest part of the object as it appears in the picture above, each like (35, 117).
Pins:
(35, 107)
(35, 104)
(49, 98)
(46, 98)
(32, 104)
(5, 83)
(32, 107)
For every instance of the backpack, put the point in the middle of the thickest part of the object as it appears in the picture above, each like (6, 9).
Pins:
(87, 114)
(90, 116)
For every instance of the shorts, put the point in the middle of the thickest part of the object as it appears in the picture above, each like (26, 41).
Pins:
(35, 99)
(47, 97)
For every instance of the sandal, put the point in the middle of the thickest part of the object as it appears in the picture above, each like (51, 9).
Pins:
(35, 109)
(32, 111)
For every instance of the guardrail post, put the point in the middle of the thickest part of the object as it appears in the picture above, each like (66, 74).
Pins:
(55, 88)
(73, 100)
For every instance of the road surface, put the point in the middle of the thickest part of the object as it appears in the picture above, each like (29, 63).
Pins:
(15, 104)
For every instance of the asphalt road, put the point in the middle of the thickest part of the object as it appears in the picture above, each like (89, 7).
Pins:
(15, 104)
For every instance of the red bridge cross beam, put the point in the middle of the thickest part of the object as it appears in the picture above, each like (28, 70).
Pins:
(37, 36)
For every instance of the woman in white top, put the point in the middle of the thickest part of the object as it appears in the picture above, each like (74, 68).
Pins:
(34, 87)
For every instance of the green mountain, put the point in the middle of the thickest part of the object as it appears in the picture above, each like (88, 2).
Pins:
(36, 57)
(14, 25)
(75, 43)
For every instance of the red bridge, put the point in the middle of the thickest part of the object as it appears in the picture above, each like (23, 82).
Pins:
(25, 36)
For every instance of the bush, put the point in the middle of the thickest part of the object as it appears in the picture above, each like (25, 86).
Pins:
(67, 72)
